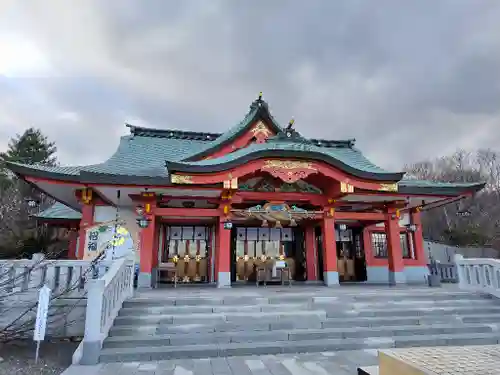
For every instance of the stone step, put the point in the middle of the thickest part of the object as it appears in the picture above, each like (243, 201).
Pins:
(401, 295)
(320, 304)
(293, 335)
(207, 326)
(212, 309)
(147, 353)
(327, 312)
(231, 317)
(419, 311)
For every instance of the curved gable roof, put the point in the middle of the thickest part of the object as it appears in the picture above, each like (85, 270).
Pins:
(348, 159)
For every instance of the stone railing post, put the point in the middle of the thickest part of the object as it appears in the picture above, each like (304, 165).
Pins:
(460, 271)
(92, 341)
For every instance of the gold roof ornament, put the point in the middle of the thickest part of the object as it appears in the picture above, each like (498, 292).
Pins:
(181, 179)
(388, 187)
(260, 95)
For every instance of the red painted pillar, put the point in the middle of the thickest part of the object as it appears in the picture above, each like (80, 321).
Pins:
(223, 257)
(418, 237)
(394, 251)
(310, 256)
(73, 240)
(330, 273)
(86, 221)
(146, 254)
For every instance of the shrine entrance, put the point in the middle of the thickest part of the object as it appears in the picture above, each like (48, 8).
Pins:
(188, 247)
(262, 247)
(351, 262)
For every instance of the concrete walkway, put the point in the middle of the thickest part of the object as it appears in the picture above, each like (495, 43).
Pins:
(326, 363)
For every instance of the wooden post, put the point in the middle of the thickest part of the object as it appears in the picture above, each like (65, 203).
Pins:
(394, 251)
(330, 272)
(311, 264)
(223, 258)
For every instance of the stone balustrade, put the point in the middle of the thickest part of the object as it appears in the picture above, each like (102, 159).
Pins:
(61, 276)
(479, 274)
(448, 272)
(104, 300)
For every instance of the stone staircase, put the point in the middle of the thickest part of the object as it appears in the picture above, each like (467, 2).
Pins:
(199, 323)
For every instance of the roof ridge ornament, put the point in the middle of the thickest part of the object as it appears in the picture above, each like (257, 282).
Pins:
(289, 134)
(259, 102)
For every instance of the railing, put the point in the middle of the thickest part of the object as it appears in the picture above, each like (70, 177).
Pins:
(479, 274)
(448, 272)
(104, 299)
(59, 275)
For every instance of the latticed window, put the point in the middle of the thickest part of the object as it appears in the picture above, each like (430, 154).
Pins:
(379, 244)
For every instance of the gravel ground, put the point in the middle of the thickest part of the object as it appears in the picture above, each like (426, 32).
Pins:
(18, 358)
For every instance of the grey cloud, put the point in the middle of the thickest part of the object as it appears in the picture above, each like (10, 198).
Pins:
(409, 79)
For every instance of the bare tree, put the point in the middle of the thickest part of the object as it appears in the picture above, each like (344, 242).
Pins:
(481, 225)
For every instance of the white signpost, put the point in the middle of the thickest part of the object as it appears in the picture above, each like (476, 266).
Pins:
(41, 318)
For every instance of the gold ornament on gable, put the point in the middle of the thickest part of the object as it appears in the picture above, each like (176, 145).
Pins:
(388, 187)
(86, 196)
(346, 187)
(181, 179)
(288, 164)
(261, 128)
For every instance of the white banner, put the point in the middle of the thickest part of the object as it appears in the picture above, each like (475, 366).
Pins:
(41, 314)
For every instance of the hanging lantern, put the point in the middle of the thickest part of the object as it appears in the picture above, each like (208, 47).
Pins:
(293, 223)
(278, 224)
(265, 224)
(411, 227)
(139, 210)
(143, 222)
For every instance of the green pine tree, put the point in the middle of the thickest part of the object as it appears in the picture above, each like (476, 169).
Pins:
(19, 228)
(31, 147)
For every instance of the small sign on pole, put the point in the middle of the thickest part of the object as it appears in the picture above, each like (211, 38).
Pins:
(41, 318)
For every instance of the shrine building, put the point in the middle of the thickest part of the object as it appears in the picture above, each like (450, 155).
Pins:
(220, 206)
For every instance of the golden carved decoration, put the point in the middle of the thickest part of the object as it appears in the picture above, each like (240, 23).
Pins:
(289, 171)
(181, 179)
(288, 164)
(346, 188)
(86, 195)
(388, 187)
(231, 184)
(259, 128)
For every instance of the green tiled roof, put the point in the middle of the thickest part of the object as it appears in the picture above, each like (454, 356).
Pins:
(414, 186)
(423, 183)
(348, 156)
(144, 156)
(59, 211)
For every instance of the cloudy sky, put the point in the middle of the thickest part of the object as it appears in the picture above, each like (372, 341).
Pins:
(409, 79)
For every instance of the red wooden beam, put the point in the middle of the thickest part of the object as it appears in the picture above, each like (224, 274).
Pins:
(314, 199)
(368, 216)
(187, 212)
